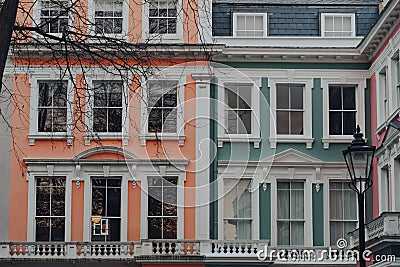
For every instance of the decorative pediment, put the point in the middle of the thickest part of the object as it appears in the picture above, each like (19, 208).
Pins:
(292, 156)
(105, 150)
(392, 133)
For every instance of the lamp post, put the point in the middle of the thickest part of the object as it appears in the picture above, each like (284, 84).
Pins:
(359, 157)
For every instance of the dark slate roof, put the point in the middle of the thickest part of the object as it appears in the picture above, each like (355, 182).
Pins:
(302, 2)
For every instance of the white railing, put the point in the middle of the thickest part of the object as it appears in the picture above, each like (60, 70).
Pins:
(33, 250)
(66, 250)
(388, 224)
(169, 247)
(234, 248)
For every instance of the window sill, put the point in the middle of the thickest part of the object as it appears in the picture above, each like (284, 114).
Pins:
(344, 139)
(106, 136)
(162, 137)
(50, 136)
(163, 38)
(95, 37)
(291, 139)
(239, 139)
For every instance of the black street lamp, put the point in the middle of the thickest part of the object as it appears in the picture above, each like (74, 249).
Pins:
(359, 157)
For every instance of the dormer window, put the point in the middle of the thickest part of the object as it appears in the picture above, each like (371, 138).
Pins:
(249, 24)
(338, 25)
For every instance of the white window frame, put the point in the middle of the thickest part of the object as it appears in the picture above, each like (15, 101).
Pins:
(306, 137)
(162, 216)
(180, 89)
(231, 173)
(329, 211)
(34, 133)
(277, 175)
(105, 233)
(254, 137)
(290, 209)
(352, 16)
(163, 170)
(162, 38)
(360, 85)
(90, 134)
(251, 219)
(35, 171)
(125, 20)
(51, 217)
(265, 24)
(36, 19)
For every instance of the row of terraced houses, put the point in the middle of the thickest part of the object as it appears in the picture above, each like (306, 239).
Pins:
(232, 145)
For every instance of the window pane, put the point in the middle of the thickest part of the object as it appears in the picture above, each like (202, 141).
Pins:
(283, 233)
(336, 204)
(297, 233)
(244, 97)
(114, 202)
(282, 100)
(349, 205)
(42, 201)
(282, 122)
(231, 97)
(169, 228)
(169, 119)
(42, 229)
(243, 230)
(114, 229)
(296, 120)
(57, 201)
(232, 122)
(98, 201)
(244, 123)
(335, 98)
(250, 23)
(115, 120)
(155, 120)
(169, 205)
(296, 97)
(283, 204)
(337, 24)
(349, 122)
(155, 228)
(336, 231)
(240, 23)
(349, 98)
(259, 23)
(328, 23)
(100, 120)
(57, 229)
(297, 204)
(347, 24)
(335, 123)
(155, 201)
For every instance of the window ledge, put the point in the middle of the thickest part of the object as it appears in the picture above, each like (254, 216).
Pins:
(50, 136)
(106, 136)
(242, 139)
(345, 139)
(162, 137)
(289, 139)
(163, 38)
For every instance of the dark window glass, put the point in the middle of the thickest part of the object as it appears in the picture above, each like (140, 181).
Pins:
(162, 207)
(342, 110)
(289, 109)
(50, 208)
(107, 108)
(162, 106)
(106, 209)
(52, 106)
